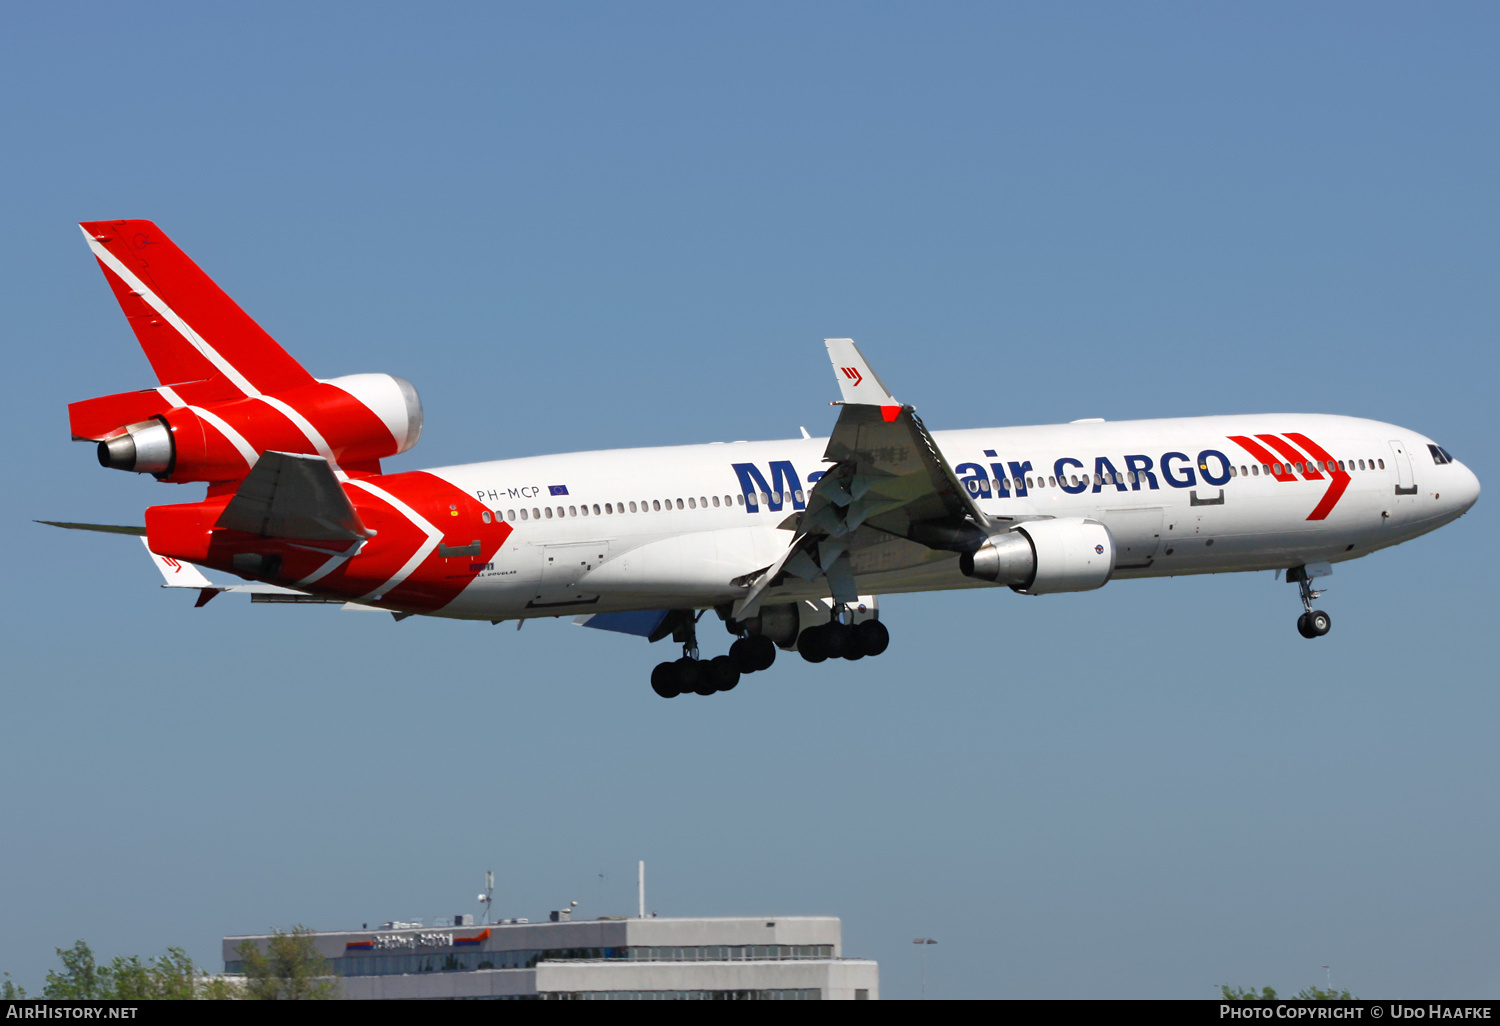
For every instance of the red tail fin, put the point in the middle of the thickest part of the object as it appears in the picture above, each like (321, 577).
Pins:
(197, 338)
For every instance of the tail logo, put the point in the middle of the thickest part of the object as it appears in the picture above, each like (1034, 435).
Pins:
(1288, 461)
(853, 374)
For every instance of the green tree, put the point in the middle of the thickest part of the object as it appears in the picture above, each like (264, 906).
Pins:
(170, 977)
(82, 979)
(289, 968)
(9, 991)
(1240, 994)
(1268, 994)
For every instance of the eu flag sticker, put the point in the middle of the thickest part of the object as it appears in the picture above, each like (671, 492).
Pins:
(558, 489)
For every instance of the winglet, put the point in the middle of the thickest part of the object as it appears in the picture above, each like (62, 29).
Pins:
(856, 378)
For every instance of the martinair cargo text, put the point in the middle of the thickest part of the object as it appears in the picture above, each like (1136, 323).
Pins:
(788, 542)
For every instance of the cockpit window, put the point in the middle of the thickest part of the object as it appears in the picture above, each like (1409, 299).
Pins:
(1439, 454)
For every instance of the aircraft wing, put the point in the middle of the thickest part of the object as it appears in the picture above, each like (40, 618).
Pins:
(888, 501)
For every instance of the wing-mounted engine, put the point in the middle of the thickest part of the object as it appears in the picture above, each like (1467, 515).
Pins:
(352, 421)
(1040, 557)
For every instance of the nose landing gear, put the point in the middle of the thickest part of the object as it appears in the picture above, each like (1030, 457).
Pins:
(1313, 623)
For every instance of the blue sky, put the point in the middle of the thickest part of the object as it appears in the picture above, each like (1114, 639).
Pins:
(579, 226)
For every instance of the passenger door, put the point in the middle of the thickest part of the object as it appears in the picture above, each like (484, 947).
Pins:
(1405, 483)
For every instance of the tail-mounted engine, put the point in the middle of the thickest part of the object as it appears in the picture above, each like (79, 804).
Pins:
(354, 421)
(1039, 557)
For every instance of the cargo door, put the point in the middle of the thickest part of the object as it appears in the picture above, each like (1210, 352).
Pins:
(562, 567)
(1137, 535)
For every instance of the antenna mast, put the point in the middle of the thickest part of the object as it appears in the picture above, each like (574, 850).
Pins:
(488, 896)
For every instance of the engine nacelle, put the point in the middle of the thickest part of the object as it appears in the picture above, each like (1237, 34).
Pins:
(1040, 557)
(357, 419)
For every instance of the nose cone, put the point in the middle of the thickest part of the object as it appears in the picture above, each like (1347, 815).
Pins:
(1467, 492)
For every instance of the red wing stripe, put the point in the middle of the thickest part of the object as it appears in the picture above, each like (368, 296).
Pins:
(1311, 473)
(1340, 477)
(1262, 455)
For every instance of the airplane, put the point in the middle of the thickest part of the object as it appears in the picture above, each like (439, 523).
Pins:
(788, 542)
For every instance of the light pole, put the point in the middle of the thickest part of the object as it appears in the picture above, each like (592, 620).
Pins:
(924, 941)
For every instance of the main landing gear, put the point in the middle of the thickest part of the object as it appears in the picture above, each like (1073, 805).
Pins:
(1313, 623)
(835, 640)
(839, 638)
(692, 675)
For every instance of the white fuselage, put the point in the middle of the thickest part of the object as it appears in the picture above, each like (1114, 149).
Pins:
(683, 526)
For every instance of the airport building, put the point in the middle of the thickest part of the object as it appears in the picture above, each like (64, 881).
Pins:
(613, 958)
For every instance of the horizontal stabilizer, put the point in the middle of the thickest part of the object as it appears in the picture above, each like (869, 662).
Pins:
(287, 495)
(106, 528)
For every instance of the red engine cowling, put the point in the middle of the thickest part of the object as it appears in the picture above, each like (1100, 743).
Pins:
(353, 421)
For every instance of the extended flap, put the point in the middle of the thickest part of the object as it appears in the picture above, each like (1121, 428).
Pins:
(287, 495)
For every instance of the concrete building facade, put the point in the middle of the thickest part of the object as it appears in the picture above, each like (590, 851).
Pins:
(768, 958)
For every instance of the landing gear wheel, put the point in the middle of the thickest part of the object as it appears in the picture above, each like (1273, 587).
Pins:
(812, 644)
(664, 680)
(743, 654)
(690, 676)
(753, 654)
(872, 636)
(765, 652)
(837, 640)
(1319, 623)
(721, 673)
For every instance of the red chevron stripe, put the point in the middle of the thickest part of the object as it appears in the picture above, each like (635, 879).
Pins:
(1287, 452)
(1263, 455)
(1341, 478)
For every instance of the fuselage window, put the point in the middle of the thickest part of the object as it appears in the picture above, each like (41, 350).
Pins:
(801, 496)
(572, 511)
(609, 507)
(549, 512)
(1361, 464)
(510, 514)
(1300, 470)
(656, 504)
(536, 514)
(486, 516)
(740, 499)
(583, 510)
(1052, 480)
(679, 504)
(1029, 483)
(632, 507)
(702, 502)
(716, 501)
(765, 500)
(1382, 464)
(596, 508)
(692, 503)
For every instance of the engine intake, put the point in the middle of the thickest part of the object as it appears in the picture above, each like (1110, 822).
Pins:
(1040, 557)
